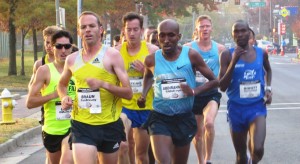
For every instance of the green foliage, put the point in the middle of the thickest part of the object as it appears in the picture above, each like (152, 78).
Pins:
(17, 82)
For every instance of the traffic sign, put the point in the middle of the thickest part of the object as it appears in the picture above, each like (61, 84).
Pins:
(257, 4)
(282, 29)
(284, 12)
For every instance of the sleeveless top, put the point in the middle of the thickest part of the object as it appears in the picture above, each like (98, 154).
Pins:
(94, 107)
(57, 121)
(168, 96)
(45, 59)
(247, 83)
(135, 77)
(211, 58)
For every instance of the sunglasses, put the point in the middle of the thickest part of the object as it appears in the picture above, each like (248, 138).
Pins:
(60, 46)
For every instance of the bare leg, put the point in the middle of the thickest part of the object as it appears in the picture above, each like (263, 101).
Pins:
(257, 138)
(53, 157)
(66, 152)
(131, 145)
(111, 158)
(198, 139)
(142, 141)
(210, 113)
(239, 140)
(162, 147)
(83, 153)
(124, 146)
(181, 154)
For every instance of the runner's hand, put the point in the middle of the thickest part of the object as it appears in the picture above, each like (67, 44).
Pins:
(94, 83)
(141, 102)
(186, 89)
(66, 103)
(138, 66)
(268, 97)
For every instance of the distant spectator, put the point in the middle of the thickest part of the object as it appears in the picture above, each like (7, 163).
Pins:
(154, 38)
(147, 33)
(116, 41)
(74, 48)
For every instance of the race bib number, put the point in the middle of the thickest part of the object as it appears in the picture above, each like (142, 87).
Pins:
(62, 114)
(136, 84)
(200, 78)
(170, 88)
(250, 89)
(89, 99)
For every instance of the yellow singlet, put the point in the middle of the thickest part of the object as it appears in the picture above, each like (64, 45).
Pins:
(88, 107)
(135, 77)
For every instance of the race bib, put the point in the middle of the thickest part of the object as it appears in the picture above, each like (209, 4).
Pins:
(170, 88)
(136, 84)
(200, 78)
(250, 89)
(62, 114)
(89, 99)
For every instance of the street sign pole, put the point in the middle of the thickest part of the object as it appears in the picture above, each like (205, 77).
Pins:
(79, 7)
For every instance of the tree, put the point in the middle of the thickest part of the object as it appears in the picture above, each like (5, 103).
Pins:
(7, 17)
(12, 70)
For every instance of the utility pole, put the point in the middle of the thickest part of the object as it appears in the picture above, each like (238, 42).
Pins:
(79, 7)
(271, 29)
(57, 13)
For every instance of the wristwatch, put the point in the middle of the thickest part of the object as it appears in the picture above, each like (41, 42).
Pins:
(269, 88)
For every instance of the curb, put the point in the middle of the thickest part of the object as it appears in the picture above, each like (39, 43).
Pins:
(19, 139)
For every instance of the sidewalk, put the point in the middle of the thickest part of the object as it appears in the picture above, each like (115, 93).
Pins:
(21, 145)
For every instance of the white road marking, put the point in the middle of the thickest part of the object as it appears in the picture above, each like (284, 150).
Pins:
(290, 106)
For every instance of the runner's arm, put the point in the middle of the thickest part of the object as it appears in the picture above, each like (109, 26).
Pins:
(34, 97)
(199, 64)
(66, 101)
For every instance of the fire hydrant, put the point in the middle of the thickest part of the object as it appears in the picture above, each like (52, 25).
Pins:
(7, 106)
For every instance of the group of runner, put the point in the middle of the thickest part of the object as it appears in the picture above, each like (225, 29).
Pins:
(145, 100)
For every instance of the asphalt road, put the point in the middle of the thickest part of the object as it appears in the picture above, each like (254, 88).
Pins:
(283, 123)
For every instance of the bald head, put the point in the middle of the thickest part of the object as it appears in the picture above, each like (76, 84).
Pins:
(170, 23)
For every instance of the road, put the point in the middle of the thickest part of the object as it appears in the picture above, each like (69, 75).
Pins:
(283, 123)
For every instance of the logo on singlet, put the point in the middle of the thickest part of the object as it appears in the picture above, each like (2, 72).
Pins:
(178, 68)
(249, 74)
(96, 60)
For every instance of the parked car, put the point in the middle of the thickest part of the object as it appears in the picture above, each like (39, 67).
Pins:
(266, 45)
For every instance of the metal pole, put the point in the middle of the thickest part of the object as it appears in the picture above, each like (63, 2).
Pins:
(193, 21)
(57, 13)
(259, 20)
(274, 32)
(79, 7)
(271, 19)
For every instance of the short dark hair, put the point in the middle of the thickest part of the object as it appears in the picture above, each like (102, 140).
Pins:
(60, 34)
(117, 38)
(74, 48)
(131, 16)
(243, 22)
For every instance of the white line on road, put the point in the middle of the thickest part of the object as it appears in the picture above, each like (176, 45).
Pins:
(269, 109)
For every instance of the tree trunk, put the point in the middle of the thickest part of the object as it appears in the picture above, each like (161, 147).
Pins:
(22, 72)
(12, 68)
(35, 48)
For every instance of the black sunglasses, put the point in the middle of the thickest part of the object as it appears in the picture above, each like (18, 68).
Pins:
(60, 46)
